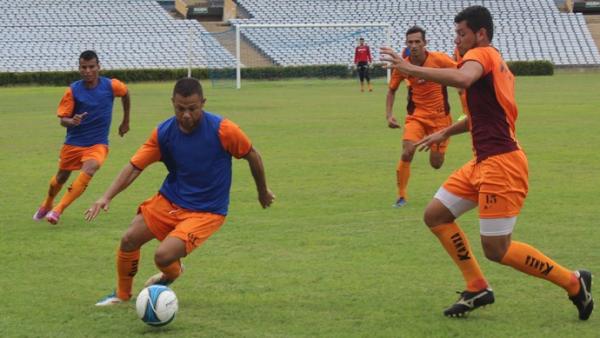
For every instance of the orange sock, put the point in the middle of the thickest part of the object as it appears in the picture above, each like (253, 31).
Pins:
(531, 261)
(456, 244)
(172, 271)
(127, 266)
(53, 190)
(402, 175)
(75, 190)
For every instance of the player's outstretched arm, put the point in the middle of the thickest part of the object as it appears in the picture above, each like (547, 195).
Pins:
(123, 180)
(265, 196)
(126, 102)
(441, 135)
(464, 77)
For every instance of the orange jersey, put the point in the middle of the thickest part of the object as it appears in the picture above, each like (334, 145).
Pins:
(491, 103)
(425, 97)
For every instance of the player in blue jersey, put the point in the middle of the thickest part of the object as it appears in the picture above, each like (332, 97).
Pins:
(196, 147)
(86, 111)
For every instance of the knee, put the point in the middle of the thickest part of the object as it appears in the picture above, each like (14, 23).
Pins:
(494, 254)
(432, 218)
(436, 162)
(163, 257)
(495, 247)
(407, 154)
(436, 213)
(129, 242)
(436, 165)
(62, 177)
(90, 167)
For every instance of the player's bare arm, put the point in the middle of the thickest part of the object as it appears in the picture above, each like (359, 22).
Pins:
(72, 121)
(126, 103)
(123, 180)
(463, 77)
(389, 107)
(265, 196)
(440, 136)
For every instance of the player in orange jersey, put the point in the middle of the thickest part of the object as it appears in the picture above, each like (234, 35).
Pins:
(427, 108)
(495, 180)
(86, 111)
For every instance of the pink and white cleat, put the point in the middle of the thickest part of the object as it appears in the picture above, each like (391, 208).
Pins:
(53, 217)
(40, 214)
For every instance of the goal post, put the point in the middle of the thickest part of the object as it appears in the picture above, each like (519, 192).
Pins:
(335, 35)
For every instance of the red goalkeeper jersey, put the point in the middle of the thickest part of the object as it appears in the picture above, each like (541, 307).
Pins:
(362, 54)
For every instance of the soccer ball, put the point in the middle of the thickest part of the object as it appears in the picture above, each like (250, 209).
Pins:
(156, 305)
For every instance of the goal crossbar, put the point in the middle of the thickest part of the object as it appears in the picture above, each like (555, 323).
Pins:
(238, 75)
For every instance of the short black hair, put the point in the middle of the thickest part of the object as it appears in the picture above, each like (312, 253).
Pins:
(188, 86)
(89, 55)
(361, 38)
(416, 29)
(477, 17)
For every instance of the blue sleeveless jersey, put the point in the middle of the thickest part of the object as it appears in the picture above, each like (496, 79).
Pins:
(199, 167)
(98, 103)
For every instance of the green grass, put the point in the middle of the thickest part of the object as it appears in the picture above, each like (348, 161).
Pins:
(331, 258)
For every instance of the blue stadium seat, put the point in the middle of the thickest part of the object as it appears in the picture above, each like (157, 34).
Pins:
(525, 30)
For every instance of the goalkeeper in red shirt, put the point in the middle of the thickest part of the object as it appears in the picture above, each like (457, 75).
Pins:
(362, 60)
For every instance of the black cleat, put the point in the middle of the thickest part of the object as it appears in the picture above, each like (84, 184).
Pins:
(583, 300)
(469, 301)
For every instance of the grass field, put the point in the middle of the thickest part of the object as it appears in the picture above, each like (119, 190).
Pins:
(331, 258)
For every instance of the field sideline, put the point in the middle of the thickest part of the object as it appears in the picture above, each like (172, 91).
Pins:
(331, 257)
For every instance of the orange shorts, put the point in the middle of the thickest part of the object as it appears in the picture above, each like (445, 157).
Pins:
(418, 126)
(164, 218)
(497, 184)
(72, 157)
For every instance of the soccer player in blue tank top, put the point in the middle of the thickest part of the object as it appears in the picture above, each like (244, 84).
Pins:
(86, 111)
(196, 147)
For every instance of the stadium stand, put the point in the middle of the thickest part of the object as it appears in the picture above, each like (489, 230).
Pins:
(127, 34)
(525, 30)
(140, 34)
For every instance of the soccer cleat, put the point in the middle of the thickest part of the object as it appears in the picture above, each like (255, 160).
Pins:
(400, 202)
(160, 279)
(469, 301)
(583, 299)
(40, 214)
(111, 299)
(53, 217)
